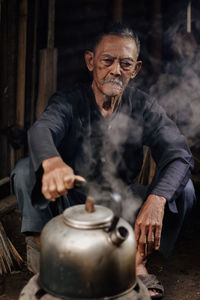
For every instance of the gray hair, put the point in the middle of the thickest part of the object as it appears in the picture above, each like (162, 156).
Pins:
(120, 30)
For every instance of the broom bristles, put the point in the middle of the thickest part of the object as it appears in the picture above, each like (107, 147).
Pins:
(15, 254)
(8, 253)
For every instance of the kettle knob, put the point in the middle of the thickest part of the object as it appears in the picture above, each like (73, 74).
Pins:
(89, 205)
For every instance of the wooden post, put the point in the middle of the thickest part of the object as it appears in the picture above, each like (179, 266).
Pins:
(33, 75)
(117, 10)
(48, 65)
(8, 80)
(21, 68)
(189, 16)
(51, 24)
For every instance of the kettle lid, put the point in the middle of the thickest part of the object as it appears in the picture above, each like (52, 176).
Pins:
(77, 217)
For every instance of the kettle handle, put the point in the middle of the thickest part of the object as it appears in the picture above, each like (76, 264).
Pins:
(81, 186)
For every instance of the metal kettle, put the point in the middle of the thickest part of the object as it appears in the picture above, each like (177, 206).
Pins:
(87, 253)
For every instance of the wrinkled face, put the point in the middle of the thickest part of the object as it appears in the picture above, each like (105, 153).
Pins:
(113, 64)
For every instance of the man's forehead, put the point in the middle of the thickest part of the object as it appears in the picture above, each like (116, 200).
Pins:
(112, 43)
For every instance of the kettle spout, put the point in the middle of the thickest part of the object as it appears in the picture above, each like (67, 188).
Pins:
(119, 235)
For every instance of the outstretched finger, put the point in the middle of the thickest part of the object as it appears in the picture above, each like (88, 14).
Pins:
(79, 178)
(79, 181)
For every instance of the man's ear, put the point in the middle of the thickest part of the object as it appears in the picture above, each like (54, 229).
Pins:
(137, 69)
(89, 60)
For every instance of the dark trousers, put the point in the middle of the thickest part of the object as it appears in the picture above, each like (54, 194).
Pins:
(34, 219)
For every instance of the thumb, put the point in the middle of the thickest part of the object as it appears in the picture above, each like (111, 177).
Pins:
(78, 178)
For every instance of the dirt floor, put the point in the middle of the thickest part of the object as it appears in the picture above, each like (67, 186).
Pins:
(180, 274)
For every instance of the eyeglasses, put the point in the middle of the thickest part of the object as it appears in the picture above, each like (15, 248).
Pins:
(125, 63)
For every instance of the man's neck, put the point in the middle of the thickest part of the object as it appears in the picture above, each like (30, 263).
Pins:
(107, 104)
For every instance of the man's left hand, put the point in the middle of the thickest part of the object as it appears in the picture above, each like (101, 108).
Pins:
(148, 225)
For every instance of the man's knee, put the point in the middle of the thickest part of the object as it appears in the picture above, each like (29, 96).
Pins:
(188, 195)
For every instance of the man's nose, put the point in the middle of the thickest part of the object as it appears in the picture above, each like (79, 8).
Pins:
(116, 69)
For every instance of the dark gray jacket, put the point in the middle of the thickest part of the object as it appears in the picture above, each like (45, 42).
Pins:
(103, 150)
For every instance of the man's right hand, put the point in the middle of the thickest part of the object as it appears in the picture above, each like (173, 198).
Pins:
(58, 177)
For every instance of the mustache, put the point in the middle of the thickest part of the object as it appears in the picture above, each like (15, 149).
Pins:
(115, 81)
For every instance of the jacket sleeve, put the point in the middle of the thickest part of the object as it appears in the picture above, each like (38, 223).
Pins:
(170, 151)
(45, 136)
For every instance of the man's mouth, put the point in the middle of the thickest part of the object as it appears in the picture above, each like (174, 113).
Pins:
(114, 82)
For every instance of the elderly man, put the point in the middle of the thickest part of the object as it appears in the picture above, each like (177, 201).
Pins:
(96, 133)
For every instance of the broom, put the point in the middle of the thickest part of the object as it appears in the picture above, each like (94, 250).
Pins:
(9, 256)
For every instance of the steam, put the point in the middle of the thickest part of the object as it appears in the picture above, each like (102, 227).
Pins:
(105, 156)
(121, 129)
(178, 87)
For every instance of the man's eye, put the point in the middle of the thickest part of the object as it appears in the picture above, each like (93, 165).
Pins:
(108, 61)
(126, 64)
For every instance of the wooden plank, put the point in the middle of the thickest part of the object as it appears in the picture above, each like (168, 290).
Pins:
(47, 78)
(48, 65)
